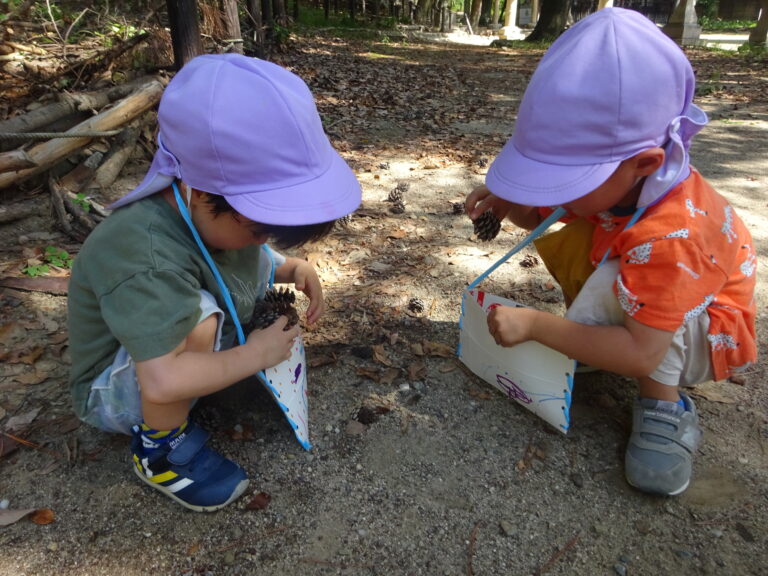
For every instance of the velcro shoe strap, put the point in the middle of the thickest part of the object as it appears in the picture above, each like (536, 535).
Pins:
(188, 447)
(685, 433)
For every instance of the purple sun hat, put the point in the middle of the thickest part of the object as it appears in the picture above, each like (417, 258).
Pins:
(608, 88)
(248, 130)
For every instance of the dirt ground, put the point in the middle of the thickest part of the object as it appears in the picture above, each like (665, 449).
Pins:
(418, 467)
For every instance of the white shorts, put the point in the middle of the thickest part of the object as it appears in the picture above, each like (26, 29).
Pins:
(688, 360)
(114, 404)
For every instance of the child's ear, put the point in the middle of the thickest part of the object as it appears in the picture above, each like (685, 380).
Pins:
(648, 161)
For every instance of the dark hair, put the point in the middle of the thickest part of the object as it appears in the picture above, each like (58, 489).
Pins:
(283, 236)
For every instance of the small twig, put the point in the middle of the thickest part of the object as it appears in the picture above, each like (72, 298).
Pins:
(471, 548)
(31, 444)
(557, 555)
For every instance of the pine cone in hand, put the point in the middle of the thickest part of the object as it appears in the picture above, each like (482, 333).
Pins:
(487, 226)
(276, 303)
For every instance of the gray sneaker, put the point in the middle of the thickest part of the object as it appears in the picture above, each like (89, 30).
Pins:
(660, 451)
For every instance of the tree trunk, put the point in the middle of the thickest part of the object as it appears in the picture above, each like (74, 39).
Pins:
(477, 6)
(552, 20)
(495, 13)
(759, 34)
(424, 10)
(231, 19)
(485, 13)
(268, 20)
(281, 16)
(185, 31)
(254, 12)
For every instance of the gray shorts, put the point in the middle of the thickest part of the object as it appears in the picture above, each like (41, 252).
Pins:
(688, 360)
(114, 404)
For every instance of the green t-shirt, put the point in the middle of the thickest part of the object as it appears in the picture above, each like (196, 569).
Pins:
(136, 282)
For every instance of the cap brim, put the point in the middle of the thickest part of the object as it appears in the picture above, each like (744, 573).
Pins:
(522, 180)
(333, 194)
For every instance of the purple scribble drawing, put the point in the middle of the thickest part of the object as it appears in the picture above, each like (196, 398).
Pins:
(296, 374)
(513, 390)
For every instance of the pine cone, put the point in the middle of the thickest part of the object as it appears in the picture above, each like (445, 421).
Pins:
(276, 303)
(416, 305)
(487, 226)
(395, 196)
(344, 221)
(397, 207)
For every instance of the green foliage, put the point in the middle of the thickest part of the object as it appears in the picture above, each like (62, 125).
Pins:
(311, 17)
(8, 7)
(53, 256)
(756, 52)
(717, 25)
(707, 8)
(82, 201)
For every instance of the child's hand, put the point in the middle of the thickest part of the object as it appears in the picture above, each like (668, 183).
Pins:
(509, 325)
(305, 279)
(274, 343)
(481, 199)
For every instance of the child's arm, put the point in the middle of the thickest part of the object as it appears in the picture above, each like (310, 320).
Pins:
(481, 199)
(184, 375)
(633, 349)
(303, 276)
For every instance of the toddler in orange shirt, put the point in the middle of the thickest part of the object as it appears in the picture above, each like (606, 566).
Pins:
(657, 267)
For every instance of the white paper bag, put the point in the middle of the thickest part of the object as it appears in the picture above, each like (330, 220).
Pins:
(538, 377)
(287, 382)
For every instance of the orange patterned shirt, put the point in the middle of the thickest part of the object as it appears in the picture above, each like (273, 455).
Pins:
(689, 253)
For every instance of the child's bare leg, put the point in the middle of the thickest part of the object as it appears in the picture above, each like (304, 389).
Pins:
(167, 416)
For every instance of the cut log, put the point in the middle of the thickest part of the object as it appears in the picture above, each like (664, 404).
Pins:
(16, 160)
(18, 211)
(47, 154)
(69, 104)
(118, 155)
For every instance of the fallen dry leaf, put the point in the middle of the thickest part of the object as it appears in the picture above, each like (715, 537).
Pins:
(31, 377)
(397, 234)
(480, 394)
(417, 370)
(714, 392)
(21, 421)
(31, 356)
(437, 349)
(380, 355)
(369, 373)
(321, 360)
(7, 445)
(389, 375)
(259, 502)
(43, 516)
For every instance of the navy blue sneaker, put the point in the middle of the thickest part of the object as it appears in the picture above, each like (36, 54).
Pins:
(187, 471)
